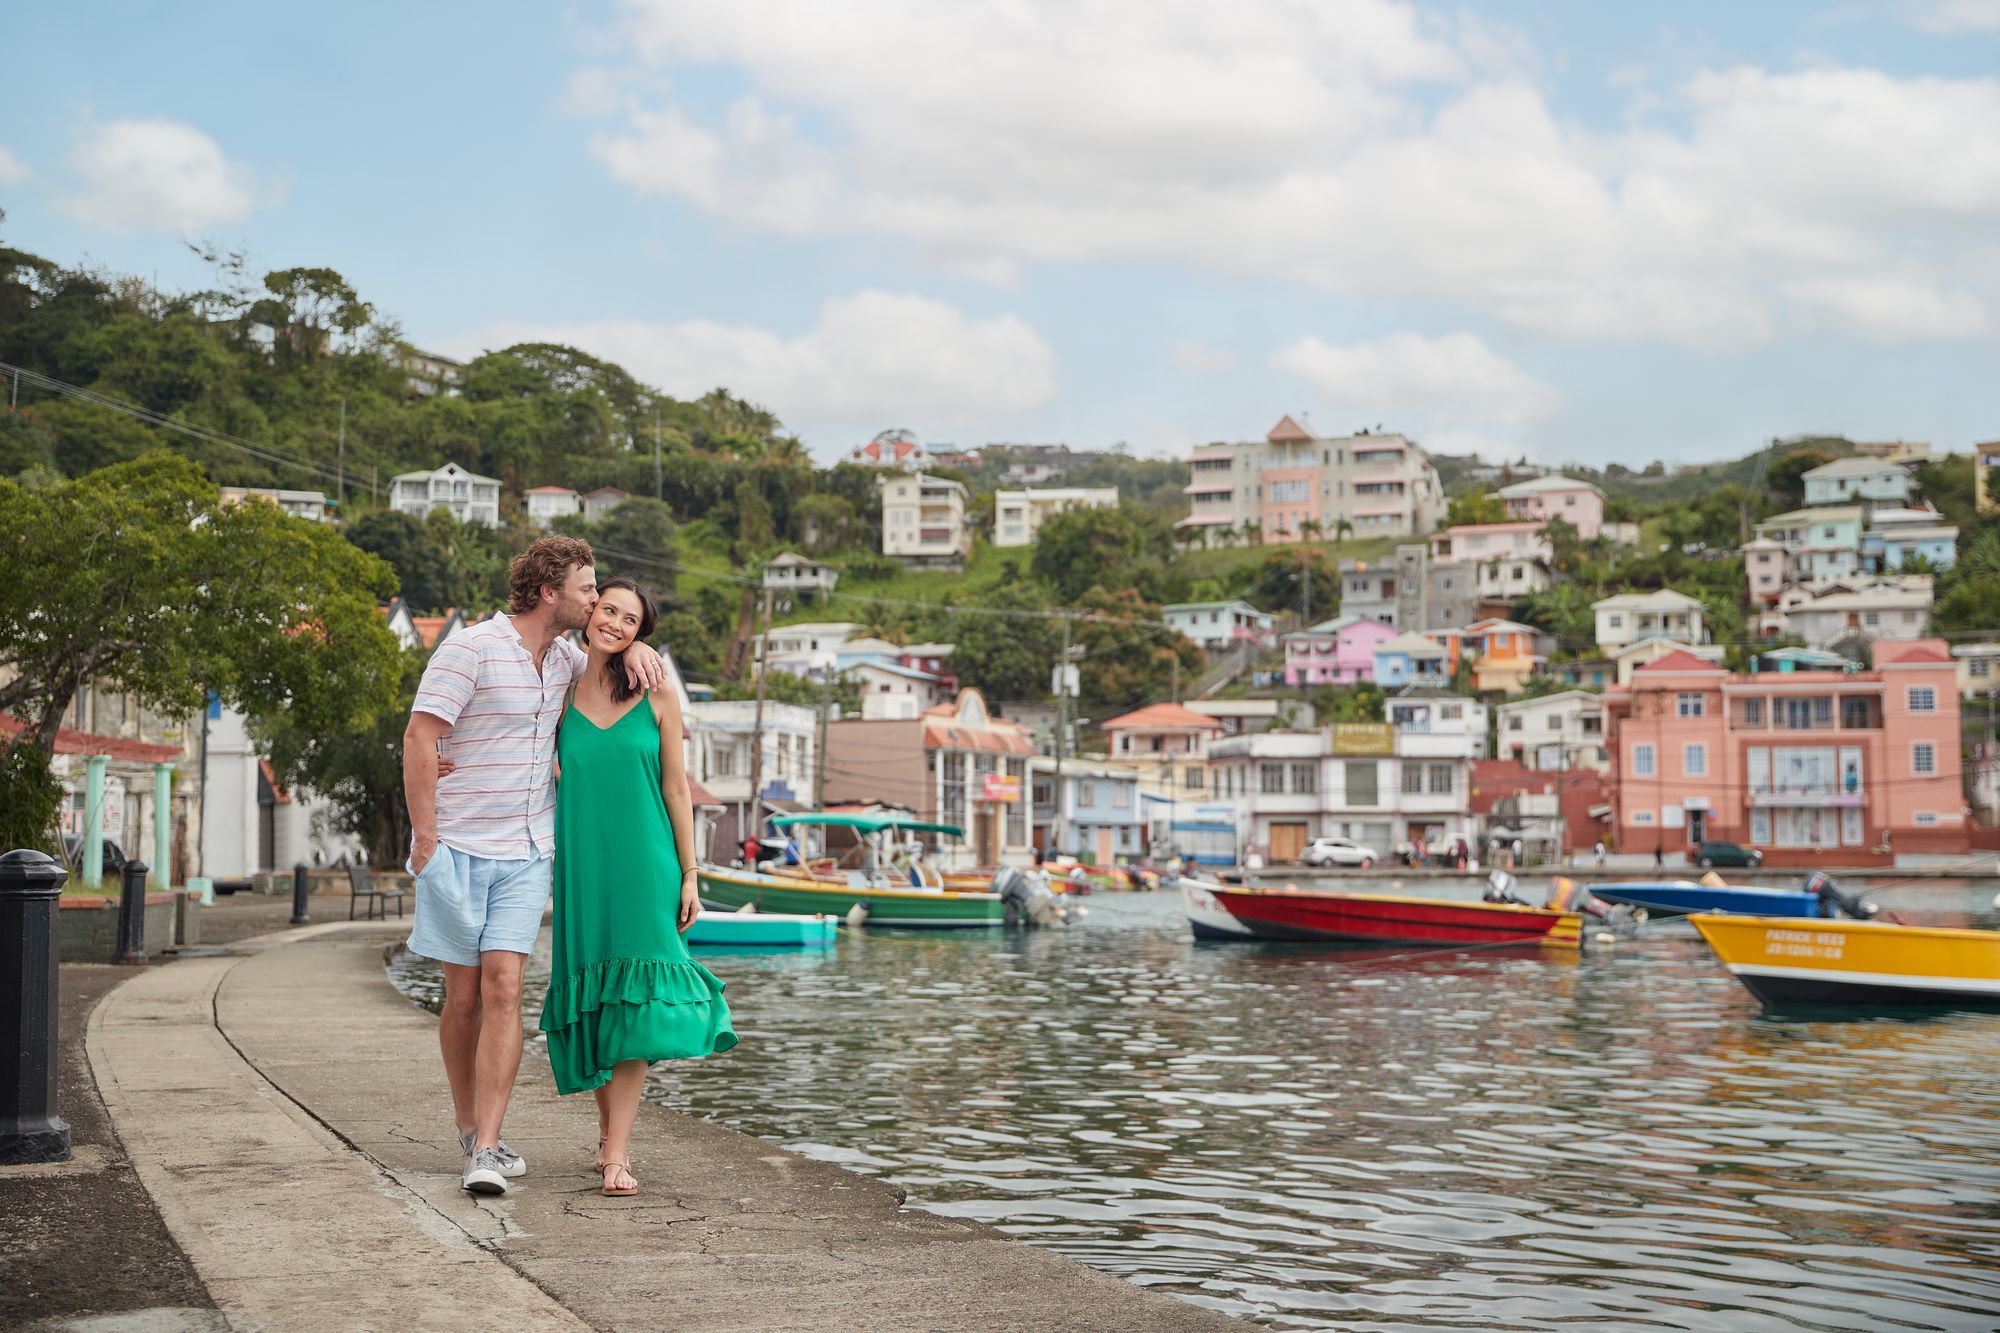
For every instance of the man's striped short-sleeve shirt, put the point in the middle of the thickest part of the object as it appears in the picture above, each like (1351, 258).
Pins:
(500, 799)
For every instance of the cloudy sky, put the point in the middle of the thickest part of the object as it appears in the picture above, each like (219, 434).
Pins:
(1563, 228)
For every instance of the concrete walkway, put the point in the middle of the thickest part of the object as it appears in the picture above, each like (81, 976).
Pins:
(285, 1108)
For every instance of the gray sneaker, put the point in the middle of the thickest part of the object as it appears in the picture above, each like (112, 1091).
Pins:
(512, 1165)
(483, 1174)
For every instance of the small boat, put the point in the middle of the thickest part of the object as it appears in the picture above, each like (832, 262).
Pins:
(1814, 960)
(769, 928)
(1678, 897)
(1370, 918)
(880, 906)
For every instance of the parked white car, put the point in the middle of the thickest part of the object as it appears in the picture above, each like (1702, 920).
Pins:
(1338, 852)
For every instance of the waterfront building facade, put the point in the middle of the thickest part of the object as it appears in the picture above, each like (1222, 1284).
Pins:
(1798, 764)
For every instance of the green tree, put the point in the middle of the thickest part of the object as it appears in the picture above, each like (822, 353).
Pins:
(1475, 506)
(1363, 701)
(1282, 580)
(1968, 594)
(423, 572)
(1074, 549)
(144, 581)
(1127, 661)
(1786, 477)
(30, 798)
(640, 534)
(358, 769)
(1007, 658)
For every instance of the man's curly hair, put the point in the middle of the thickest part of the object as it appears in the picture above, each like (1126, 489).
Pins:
(546, 563)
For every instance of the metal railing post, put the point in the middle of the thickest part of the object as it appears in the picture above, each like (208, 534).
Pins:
(30, 896)
(132, 915)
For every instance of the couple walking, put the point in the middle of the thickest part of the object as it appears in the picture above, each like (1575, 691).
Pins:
(566, 774)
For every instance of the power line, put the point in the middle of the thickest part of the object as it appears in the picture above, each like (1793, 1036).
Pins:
(164, 422)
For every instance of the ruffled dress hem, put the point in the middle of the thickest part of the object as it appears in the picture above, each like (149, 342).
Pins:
(623, 1009)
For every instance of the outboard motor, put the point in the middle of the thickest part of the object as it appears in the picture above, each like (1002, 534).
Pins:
(1027, 899)
(1500, 889)
(1566, 895)
(1833, 901)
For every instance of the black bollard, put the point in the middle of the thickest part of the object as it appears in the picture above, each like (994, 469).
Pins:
(30, 1130)
(299, 917)
(132, 916)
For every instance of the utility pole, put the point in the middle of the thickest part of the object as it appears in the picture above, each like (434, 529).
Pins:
(757, 727)
(374, 495)
(819, 746)
(1062, 732)
(340, 456)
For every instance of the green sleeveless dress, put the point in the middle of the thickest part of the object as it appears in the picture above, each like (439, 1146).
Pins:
(621, 983)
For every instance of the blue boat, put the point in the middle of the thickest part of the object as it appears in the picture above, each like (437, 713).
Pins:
(1677, 897)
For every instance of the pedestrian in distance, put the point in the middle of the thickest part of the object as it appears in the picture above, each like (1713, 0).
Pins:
(482, 825)
(1600, 854)
(1659, 858)
(623, 991)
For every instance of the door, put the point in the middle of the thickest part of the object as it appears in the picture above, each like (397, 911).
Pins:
(1697, 827)
(1288, 841)
(986, 831)
(1104, 847)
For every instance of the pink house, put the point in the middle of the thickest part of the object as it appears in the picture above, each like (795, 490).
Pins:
(1542, 498)
(1340, 651)
(1810, 767)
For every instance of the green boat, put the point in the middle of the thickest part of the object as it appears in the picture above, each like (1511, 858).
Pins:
(927, 908)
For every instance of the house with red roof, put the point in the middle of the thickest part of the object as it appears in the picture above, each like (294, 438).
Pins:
(956, 763)
(1809, 767)
(896, 449)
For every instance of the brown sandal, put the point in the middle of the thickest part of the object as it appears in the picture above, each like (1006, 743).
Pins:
(611, 1193)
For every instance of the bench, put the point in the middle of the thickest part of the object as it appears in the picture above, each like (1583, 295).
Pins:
(361, 884)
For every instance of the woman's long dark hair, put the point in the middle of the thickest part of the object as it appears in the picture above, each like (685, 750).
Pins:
(649, 616)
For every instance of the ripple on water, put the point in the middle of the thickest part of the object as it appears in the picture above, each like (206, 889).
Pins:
(1387, 1144)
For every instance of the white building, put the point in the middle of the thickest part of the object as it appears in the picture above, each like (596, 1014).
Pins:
(1018, 515)
(799, 576)
(1369, 485)
(1978, 668)
(1216, 625)
(1624, 661)
(250, 823)
(466, 496)
(723, 733)
(1878, 611)
(549, 503)
(1477, 542)
(1577, 503)
(923, 522)
(1633, 617)
(599, 504)
(1555, 732)
(299, 504)
(427, 374)
(890, 690)
(1864, 480)
(809, 648)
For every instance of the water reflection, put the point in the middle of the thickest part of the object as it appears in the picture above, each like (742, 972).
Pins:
(1387, 1142)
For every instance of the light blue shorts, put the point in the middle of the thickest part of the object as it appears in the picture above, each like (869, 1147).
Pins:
(468, 905)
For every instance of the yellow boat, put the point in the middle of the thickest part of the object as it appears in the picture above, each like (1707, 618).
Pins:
(1813, 960)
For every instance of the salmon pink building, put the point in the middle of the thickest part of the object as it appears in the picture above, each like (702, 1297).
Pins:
(1810, 767)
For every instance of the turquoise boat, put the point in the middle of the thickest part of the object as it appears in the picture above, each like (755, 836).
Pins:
(770, 928)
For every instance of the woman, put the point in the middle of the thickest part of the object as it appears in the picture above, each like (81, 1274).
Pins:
(622, 990)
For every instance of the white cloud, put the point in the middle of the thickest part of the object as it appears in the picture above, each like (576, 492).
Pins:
(1457, 392)
(159, 175)
(1957, 15)
(871, 358)
(1200, 357)
(13, 171)
(1361, 147)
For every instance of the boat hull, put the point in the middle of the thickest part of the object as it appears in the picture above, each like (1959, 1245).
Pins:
(769, 928)
(1381, 918)
(1207, 918)
(1812, 961)
(731, 889)
(1682, 897)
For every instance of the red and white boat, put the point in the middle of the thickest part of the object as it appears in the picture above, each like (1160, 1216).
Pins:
(1221, 912)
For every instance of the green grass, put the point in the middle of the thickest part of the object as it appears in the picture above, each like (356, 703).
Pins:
(1223, 563)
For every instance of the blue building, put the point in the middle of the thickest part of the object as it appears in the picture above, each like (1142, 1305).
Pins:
(1102, 818)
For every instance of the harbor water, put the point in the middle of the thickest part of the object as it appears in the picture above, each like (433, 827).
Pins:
(1387, 1140)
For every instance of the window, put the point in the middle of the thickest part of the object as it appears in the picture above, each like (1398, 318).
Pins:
(1979, 667)
(1413, 778)
(1822, 711)
(1925, 818)
(1923, 759)
(1086, 792)
(1689, 703)
(725, 761)
(1121, 796)
(1305, 779)
(1642, 818)
(1361, 785)
(1290, 492)
(1453, 712)
(1760, 826)
(1514, 723)
(1923, 698)
(1271, 779)
(1694, 760)
(1753, 712)
(1642, 761)
(1191, 778)
(1614, 621)
(1441, 779)
(1555, 722)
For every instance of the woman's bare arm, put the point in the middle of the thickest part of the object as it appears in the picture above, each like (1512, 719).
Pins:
(679, 798)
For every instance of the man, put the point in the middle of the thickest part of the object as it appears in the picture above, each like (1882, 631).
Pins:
(1600, 854)
(482, 838)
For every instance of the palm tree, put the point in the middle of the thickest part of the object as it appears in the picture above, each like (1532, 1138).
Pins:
(1253, 532)
(1311, 528)
(1343, 528)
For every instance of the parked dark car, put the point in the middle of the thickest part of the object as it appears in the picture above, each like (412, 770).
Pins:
(114, 858)
(1712, 853)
